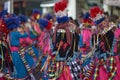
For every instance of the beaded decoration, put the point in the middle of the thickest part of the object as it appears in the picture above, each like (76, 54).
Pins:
(21, 52)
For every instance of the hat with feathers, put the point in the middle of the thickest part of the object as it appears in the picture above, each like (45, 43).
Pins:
(86, 19)
(61, 12)
(97, 15)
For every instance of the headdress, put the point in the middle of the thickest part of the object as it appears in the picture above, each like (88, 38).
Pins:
(12, 22)
(97, 15)
(86, 19)
(60, 9)
(36, 14)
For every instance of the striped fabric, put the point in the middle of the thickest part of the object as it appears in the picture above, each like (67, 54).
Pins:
(75, 69)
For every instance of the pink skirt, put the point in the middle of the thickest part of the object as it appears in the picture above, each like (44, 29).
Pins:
(103, 75)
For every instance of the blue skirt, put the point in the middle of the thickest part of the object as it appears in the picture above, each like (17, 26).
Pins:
(21, 71)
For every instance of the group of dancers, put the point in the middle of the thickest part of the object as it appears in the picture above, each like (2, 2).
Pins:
(34, 49)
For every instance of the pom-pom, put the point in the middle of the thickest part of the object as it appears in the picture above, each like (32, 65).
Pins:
(3, 13)
(23, 18)
(62, 19)
(12, 22)
(49, 16)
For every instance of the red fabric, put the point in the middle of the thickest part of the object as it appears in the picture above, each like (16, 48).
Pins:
(102, 74)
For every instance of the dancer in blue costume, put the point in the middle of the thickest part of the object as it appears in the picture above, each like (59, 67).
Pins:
(13, 24)
(25, 43)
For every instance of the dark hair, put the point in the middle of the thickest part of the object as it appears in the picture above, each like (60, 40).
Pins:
(70, 18)
(106, 13)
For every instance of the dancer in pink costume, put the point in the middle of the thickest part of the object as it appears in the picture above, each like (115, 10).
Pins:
(45, 42)
(44, 38)
(86, 34)
(97, 16)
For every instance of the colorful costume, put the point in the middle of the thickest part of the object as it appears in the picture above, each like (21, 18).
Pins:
(64, 46)
(86, 35)
(22, 68)
(105, 46)
(45, 46)
(26, 44)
